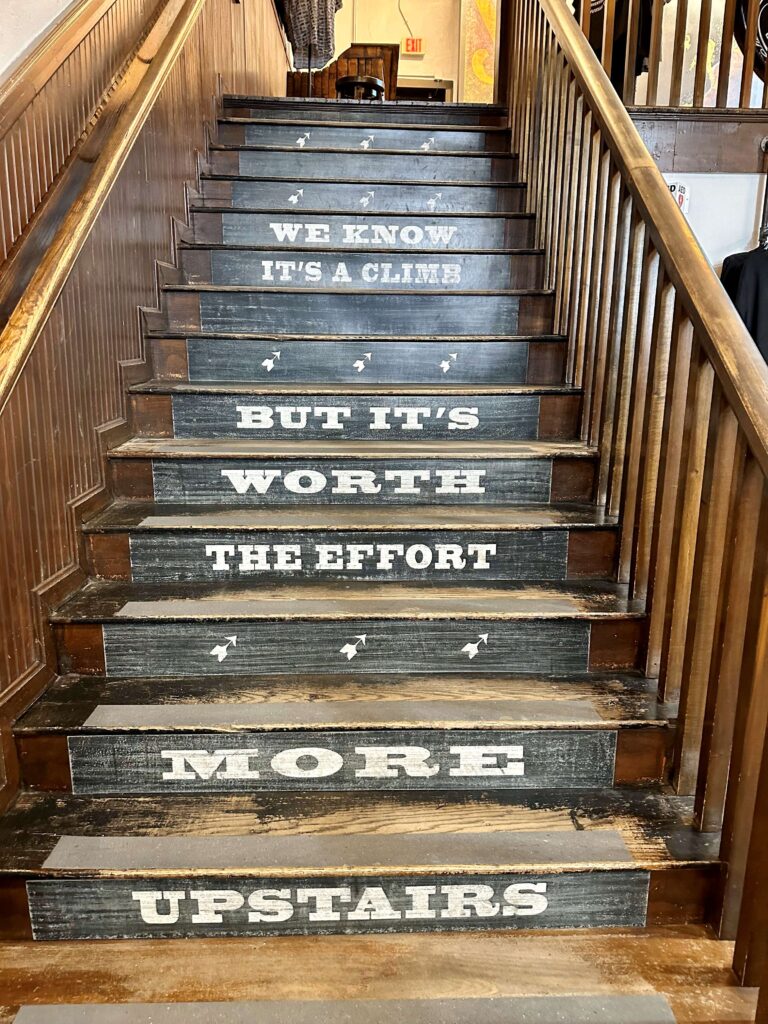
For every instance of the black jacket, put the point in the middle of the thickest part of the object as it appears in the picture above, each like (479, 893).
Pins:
(745, 278)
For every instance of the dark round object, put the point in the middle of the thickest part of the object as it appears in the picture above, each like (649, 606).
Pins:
(761, 43)
(359, 87)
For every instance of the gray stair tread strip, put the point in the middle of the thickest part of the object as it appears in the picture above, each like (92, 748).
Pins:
(295, 714)
(310, 852)
(234, 448)
(360, 125)
(601, 1009)
(173, 387)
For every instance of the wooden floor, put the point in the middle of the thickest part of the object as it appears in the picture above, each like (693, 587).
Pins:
(685, 964)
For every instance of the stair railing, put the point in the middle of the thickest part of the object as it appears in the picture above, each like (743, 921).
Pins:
(675, 402)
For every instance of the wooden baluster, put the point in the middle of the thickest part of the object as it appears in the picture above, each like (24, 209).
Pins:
(720, 715)
(669, 505)
(565, 179)
(650, 287)
(587, 174)
(751, 952)
(604, 409)
(609, 23)
(633, 28)
(549, 112)
(673, 644)
(748, 740)
(702, 52)
(707, 593)
(748, 67)
(678, 53)
(593, 200)
(591, 306)
(570, 215)
(554, 216)
(726, 51)
(654, 59)
(586, 16)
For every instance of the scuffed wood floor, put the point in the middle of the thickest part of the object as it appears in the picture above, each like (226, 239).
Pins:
(685, 964)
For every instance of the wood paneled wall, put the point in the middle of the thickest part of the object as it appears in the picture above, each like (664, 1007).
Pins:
(69, 401)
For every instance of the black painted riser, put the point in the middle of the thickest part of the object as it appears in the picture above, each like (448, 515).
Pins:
(437, 555)
(310, 136)
(349, 314)
(416, 271)
(361, 165)
(157, 906)
(339, 362)
(178, 648)
(359, 417)
(337, 761)
(371, 112)
(312, 481)
(365, 232)
(295, 196)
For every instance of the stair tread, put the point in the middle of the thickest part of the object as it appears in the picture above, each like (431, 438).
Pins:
(83, 704)
(155, 516)
(209, 175)
(362, 125)
(241, 99)
(287, 289)
(449, 339)
(325, 250)
(234, 448)
(174, 387)
(341, 212)
(325, 833)
(122, 602)
(367, 153)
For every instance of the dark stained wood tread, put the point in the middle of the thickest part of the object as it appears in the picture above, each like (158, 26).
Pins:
(234, 448)
(332, 702)
(362, 125)
(166, 332)
(181, 387)
(402, 292)
(341, 212)
(382, 180)
(240, 99)
(150, 516)
(341, 252)
(330, 833)
(124, 602)
(489, 154)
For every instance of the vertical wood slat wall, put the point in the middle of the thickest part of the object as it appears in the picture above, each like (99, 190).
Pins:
(69, 400)
(676, 400)
(36, 144)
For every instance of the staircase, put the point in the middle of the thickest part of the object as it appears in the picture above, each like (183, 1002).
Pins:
(352, 656)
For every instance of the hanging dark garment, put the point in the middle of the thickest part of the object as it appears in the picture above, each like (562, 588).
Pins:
(620, 26)
(745, 278)
(761, 43)
(310, 29)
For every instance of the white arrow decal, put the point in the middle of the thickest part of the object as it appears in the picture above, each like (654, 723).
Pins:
(432, 202)
(472, 649)
(446, 364)
(365, 200)
(221, 651)
(303, 140)
(351, 650)
(269, 364)
(296, 196)
(428, 144)
(359, 364)
(366, 143)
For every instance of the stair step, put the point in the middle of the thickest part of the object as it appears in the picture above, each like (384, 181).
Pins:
(381, 111)
(321, 472)
(312, 135)
(340, 269)
(556, 628)
(602, 1009)
(102, 736)
(332, 229)
(353, 412)
(368, 165)
(155, 543)
(350, 313)
(318, 196)
(333, 360)
(147, 867)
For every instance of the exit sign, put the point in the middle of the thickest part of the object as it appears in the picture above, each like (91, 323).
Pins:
(412, 47)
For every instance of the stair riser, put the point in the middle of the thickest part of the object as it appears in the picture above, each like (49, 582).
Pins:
(417, 271)
(284, 417)
(361, 165)
(196, 556)
(334, 362)
(179, 648)
(351, 314)
(319, 196)
(431, 760)
(312, 481)
(372, 112)
(309, 136)
(112, 908)
(419, 232)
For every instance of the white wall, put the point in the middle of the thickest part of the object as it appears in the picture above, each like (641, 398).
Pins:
(724, 211)
(23, 22)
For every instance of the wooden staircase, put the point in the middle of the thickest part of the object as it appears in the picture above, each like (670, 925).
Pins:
(353, 656)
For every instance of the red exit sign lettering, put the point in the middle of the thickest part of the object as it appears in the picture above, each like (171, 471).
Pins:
(413, 47)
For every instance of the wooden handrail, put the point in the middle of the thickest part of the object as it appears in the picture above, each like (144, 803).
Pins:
(129, 108)
(738, 364)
